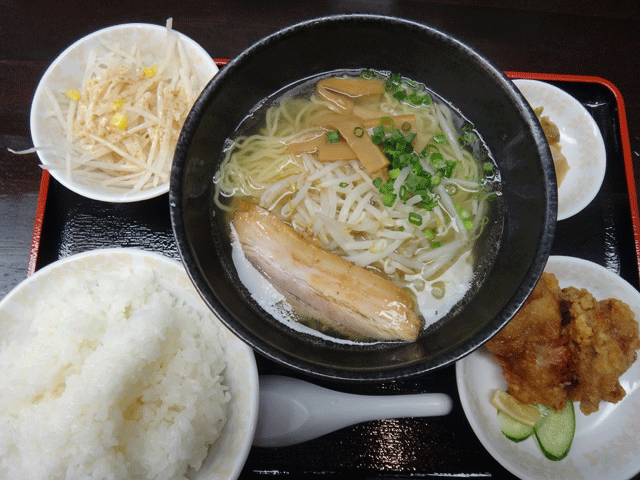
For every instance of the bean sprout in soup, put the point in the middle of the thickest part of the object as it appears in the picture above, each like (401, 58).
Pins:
(367, 176)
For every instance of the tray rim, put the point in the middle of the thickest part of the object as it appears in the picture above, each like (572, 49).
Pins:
(624, 133)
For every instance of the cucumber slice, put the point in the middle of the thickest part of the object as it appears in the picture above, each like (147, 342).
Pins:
(513, 429)
(555, 431)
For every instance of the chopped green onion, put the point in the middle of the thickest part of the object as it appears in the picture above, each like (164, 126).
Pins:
(393, 83)
(367, 74)
(449, 168)
(430, 149)
(468, 136)
(333, 136)
(358, 132)
(415, 99)
(418, 186)
(417, 170)
(401, 160)
(377, 182)
(436, 244)
(377, 139)
(487, 167)
(440, 139)
(387, 123)
(344, 184)
(397, 136)
(399, 149)
(404, 193)
(415, 219)
(399, 95)
(437, 160)
(378, 135)
(428, 204)
(464, 214)
(426, 100)
(388, 199)
(467, 127)
(438, 290)
(429, 233)
(468, 224)
(386, 187)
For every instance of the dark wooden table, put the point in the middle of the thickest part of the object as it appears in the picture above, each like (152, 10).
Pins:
(599, 38)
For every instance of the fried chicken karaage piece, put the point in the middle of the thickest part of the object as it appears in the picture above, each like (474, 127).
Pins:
(564, 344)
(531, 350)
(602, 340)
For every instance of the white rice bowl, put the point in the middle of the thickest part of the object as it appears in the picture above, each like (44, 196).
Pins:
(113, 367)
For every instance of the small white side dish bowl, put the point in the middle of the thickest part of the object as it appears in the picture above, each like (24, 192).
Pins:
(226, 457)
(606, 443)
(581, 141)
(66, 73)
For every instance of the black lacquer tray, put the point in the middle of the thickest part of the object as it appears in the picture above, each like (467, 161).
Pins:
(606, 232)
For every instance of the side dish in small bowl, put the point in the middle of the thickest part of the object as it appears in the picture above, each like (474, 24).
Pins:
(575, 141)
(363, 215)
(106, 115)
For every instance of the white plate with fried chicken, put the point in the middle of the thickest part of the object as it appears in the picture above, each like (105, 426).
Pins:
(589, 351)
(576, 138)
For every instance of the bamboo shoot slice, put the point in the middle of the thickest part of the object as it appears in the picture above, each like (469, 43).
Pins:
(370, 156)
(333, 152)
(308, 142)
(353, 87)
(343, 104)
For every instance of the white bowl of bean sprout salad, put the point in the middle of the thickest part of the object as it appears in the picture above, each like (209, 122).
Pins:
(107, 113)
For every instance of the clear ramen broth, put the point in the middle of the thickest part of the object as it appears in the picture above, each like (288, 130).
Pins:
(377, 170)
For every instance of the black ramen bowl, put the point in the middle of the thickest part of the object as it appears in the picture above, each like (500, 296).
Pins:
(482, 93)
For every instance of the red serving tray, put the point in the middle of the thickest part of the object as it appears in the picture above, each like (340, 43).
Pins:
(606, 232)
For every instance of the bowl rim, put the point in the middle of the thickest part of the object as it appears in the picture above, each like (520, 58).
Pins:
(531, 274)
(38, 99)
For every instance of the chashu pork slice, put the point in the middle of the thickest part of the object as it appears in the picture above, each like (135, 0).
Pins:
(343, 296)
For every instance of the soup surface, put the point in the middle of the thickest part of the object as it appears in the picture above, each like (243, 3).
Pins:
(381, 173)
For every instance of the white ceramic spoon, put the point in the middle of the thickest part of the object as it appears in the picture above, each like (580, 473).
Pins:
(294, 411)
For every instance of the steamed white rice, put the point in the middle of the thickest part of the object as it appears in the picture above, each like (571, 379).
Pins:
(115, 379)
